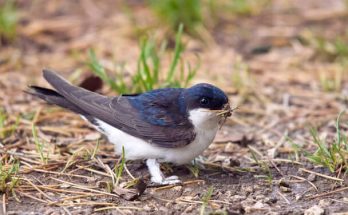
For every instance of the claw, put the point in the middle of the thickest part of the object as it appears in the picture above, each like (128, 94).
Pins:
(171, 180)
(166, 181)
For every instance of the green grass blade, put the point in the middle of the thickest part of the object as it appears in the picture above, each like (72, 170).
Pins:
(99, 70)
(177, 53)
(120, 167)
(338, 132)
(8, 20)
(205, 199)
(317, 141)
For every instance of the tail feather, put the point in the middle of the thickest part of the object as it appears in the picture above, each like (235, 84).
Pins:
(54, 97)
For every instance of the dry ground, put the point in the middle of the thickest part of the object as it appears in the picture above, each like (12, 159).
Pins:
(280, 94)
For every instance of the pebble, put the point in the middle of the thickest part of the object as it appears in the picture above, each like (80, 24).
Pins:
(163, 209)
(260, 197)
(188, 190)
(271, 200)
(311, 177)
(325, 203)
(64, 185)
(255, 207)
(189, 209)
(230, 148)
(147, 208)
(91, 179)
(231, 162)
(285, 189)
(177, 188)
(298, 197)
(247, 189)
(237, 198)
(314, 210)
(259, 205)
(101, 184)
(220, 158)
(284, 183)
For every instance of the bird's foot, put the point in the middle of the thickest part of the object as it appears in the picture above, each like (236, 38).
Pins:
(166, 181)
(199, 162)
(157, 176)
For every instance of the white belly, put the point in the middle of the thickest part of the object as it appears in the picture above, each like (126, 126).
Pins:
(205, 125)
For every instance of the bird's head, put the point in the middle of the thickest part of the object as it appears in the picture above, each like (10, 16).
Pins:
(205, 102)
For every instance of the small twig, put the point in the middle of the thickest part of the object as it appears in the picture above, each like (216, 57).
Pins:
(84, 188)
(87, 203)
(72, 159)
(45, 167)
(65, 191)
(256, 151)
(128, 172)
(285, 199)
(117, 207)
(277, 146)
(25, 160)
(66, 131)
(328, 193)
(303, 179)
(275, 166)
(94, 171)
(194, 182)
(107, 169)
(66, 210)
(277, 160)
(77, 197)
(32, 197)
(321, 175)
(4, 203)
(164, 187)
(175, 185)
(60, 173)
(78, 168)
(15, 196)
(36, 188)
(2, 151)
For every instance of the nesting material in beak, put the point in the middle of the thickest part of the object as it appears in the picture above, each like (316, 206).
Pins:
(226, 112)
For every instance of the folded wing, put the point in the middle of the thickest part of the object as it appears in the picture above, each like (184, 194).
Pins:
(156, 125)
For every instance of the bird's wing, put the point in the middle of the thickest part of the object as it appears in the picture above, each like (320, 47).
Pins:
(155, 125)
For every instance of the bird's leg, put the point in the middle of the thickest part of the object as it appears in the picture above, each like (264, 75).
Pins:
(157, 176)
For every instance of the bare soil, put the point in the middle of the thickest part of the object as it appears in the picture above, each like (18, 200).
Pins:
(280, 96)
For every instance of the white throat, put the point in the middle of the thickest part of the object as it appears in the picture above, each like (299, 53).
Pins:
(203, 119)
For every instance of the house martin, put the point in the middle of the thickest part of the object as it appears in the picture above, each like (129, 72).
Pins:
(165, 125)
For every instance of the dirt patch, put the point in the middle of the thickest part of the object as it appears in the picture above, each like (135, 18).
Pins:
(260, 61)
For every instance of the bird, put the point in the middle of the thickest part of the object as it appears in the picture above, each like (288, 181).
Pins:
(172, 125)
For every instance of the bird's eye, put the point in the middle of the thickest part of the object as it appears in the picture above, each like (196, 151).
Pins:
(204, 101)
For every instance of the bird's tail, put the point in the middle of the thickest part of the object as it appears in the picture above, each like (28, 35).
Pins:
(54, 97)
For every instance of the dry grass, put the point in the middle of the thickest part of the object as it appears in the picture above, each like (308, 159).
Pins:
(52, 161)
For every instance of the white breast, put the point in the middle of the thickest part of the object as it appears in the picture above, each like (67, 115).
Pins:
(205, 125)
